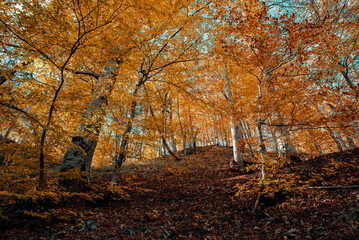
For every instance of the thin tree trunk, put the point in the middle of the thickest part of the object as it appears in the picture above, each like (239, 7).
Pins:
(183, 135)
(2, 153)
(262, 147)
(350, 83)
(339, 146)
(120, 157)
(194, 141)
(215, 136)
(348, 137)
(335, 136)
(356, 130)
(142, 149)
(208, 138)
(275, 141)
(225, 137)
(168, 148)
(318, 147)
(164, 142)
(238, 147)
(6, 134)
(174, 144)
(248, 136)
(44, 131)
(285, 138)
(162, 132)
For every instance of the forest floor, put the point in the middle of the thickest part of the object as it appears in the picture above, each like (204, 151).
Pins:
(195, 199)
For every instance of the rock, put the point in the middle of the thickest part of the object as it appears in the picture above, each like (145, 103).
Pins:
(292, 230)
(291, 233)
(88, 226)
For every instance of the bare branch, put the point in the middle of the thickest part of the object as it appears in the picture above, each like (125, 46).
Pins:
(23, 112)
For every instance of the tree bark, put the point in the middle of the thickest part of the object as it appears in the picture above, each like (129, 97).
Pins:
(237, 162)
(350, 83)
(276, 144)
(41, 183)
(261, 147)
(348, 137)
(2, 153)
(238, 145)
(182, 131)
(339, 146)
(225, 137)
(334, 134)
(355, 129)
(248, 135)
(174, 144)
(79, 155)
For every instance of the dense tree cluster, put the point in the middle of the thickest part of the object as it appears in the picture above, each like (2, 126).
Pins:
(97, 83)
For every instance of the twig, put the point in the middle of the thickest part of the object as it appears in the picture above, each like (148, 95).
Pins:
(257, 203)
(331, 187)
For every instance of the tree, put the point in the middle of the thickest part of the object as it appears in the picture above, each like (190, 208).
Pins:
(238, 146)
(51, 46)
(175, 44)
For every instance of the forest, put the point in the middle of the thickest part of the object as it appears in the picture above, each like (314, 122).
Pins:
(196, 119)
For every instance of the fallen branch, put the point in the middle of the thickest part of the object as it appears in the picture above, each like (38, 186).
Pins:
(331, 187)
(244, 176)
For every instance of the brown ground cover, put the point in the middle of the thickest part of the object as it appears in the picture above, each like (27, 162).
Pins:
(194, 199)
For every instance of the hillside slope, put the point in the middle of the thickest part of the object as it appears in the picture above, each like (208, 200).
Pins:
(195, 199)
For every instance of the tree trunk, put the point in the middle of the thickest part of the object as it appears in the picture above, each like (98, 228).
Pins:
(237, 162)
(262, 147)
(334, 134)
(318, 147)
(225, 137)
(248, 135)
(238, 145)
(194, 142)
(348, 137)
(182, 131)
(285, 137)
(350, 83)
(174, 144)
(7, 133)
(42, 180)
(339, 146)
(215, 136)
(3, 139)
(355, 129)
(120, 156)
(165, 145)
(164, 142)
(276, 144)
(80, 154)
(338, 137)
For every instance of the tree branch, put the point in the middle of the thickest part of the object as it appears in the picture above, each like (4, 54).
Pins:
(331, 187)
(23, 112)
(88, 73)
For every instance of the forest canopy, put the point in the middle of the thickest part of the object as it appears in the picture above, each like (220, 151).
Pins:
(98, 84)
